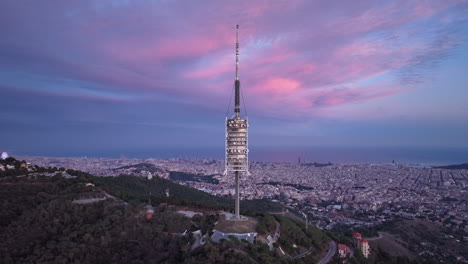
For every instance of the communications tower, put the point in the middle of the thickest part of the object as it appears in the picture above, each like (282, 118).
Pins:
(236, 138)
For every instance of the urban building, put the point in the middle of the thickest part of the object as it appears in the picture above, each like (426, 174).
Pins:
(343, 250)
(361, 244)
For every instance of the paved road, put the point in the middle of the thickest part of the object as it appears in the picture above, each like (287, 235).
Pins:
(375, 238)
(318, 224)
(303, 254)
(330, 254)
(277, 231)
(93, 200)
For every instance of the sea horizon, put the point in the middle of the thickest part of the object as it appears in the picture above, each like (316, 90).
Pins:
(319, 154)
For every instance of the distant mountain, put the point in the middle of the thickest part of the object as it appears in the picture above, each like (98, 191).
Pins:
(463, 166)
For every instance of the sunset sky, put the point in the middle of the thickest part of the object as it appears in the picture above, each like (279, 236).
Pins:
(83, 76)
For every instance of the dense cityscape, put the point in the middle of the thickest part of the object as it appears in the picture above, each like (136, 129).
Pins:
(330, 190)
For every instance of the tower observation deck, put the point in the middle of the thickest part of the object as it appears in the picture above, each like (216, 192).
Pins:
(237, 150)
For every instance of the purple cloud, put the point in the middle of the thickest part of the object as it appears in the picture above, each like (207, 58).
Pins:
(295, 55)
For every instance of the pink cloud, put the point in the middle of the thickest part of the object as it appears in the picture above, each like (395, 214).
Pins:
(276, 86)
(296, 56)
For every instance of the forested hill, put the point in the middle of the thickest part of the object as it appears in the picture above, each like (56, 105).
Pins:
(43, 220)
(42, 223)
(137, 189)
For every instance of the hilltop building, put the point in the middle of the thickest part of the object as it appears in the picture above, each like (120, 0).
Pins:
(361, 244)
(343, 250)
(249, 237)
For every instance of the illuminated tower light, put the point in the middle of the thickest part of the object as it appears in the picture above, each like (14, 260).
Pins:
(236, 159)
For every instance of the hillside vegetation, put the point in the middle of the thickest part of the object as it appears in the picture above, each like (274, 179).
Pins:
(136, 189)
(40, 221)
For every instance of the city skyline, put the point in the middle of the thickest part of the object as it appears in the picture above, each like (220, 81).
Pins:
(87, 76)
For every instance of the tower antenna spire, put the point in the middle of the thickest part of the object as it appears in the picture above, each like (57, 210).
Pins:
(237, 81)
(237, 52)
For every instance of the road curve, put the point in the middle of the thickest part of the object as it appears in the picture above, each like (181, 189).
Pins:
(331, 252)
(375, 238)
(303, 254)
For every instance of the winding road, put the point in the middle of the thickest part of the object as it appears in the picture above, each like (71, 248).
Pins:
(331, 252)
(375, 238)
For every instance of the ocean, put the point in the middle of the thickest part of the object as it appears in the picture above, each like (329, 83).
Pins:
(343, 155)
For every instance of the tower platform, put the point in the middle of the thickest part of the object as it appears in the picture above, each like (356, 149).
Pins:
(228, 224)
(233, 218)
(245, 228)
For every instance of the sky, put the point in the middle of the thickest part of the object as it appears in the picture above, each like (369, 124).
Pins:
(110, 76)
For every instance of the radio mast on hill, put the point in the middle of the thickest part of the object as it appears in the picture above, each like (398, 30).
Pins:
(236, 138)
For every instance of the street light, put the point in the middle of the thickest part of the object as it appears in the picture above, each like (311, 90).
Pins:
(305, 216)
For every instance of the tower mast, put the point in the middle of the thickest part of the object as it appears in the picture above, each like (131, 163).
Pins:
(237, 81)
(236, 139)
(237, 116)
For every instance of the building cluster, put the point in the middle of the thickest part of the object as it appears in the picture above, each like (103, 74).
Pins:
(22, 164)
(362, 244)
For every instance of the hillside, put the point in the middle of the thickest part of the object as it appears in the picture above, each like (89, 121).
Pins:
(44, 220)
(137, 189)
(429, 240)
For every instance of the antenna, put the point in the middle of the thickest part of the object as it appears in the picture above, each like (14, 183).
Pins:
(237, 81)
(237, 52)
